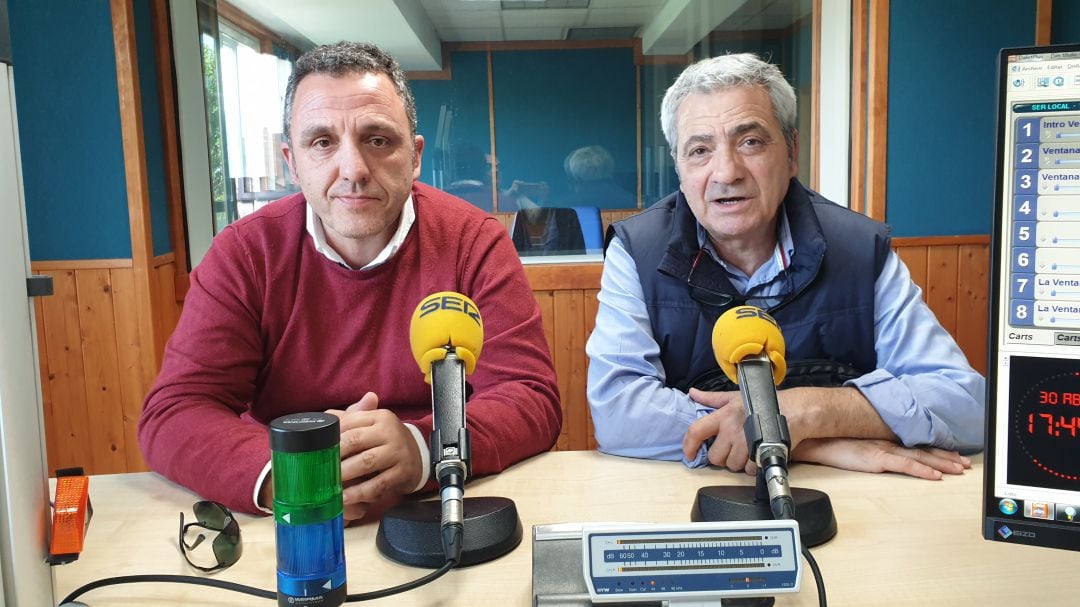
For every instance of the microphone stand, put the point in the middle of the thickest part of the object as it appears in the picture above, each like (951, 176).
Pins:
(471, 530)
(768, 441)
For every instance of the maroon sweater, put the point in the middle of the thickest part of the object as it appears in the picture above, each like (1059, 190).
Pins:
(270, 326)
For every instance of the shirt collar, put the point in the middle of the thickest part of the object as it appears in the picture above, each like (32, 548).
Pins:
(318, 237)
(779, 262)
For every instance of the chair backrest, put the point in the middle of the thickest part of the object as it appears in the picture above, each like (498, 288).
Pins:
(592, 228)
(548, 231)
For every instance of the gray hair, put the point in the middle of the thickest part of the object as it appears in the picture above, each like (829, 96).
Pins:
(348, 58)
(590, 163)
(744, 69)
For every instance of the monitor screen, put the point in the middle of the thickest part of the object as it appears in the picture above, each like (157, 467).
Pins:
(1032, 464)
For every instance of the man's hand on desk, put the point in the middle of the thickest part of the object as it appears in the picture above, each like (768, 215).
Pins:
(724, 427)
(380, 459)
(875, 455)
(810, 413)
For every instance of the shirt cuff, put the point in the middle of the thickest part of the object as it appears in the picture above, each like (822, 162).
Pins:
(701, 459)
(425, 457)
(896, 405)
(258, 485)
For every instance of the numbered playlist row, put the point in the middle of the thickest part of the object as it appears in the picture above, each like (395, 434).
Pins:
(1046, 208)
(1047, 155)
(1046, 287)
(1031, 260)
(1047, 182)
(1059, 234)
(1049, 314)
(1060, 128)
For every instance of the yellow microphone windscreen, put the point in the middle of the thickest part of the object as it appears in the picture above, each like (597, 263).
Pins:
(748, 331)
(446, 319)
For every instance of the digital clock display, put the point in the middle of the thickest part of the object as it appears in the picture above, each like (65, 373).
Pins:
(1044, 397)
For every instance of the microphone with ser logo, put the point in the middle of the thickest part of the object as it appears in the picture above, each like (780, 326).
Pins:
(750, 348)
(446, 336)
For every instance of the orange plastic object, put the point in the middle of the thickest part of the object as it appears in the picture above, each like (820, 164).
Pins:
(71, 515)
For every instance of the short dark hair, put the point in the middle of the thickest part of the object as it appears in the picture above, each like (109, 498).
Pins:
(348, 58)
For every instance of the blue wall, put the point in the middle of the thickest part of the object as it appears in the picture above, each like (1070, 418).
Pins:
(1065, 22)
(69, 129)
(153, 139)
(942, 103)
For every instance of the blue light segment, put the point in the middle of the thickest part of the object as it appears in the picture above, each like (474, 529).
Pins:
(311, 551)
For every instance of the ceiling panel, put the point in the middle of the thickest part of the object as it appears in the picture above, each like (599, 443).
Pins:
(605, 4)
(475, 19)
(552, 17)
(460, 5)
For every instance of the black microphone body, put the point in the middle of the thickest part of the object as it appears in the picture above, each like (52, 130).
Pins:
(767, 438)
(450, 449)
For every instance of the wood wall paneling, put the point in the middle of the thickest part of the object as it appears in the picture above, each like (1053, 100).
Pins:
(130, 353)
(97, 327)
(1044, 12)
(569, 359)
(92, 362)
(591, 305)
(46, 388)
(941, 265)
(65, 388)
(972, 301)
(914, 257)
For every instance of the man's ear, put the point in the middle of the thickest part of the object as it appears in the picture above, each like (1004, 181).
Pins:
(286, 153)
(418, 152)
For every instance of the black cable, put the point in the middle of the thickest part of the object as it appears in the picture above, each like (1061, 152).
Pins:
(378, 594)
(817, 576)
(175, 579)
(257, 592)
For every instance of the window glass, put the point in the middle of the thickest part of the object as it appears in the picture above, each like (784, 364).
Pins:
(252, 97)
(555, 139)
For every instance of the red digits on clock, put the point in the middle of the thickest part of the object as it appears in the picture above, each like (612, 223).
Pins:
(1054, 426)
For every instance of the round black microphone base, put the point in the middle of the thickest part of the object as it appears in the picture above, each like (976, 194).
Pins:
(410, 533)
(813, 510)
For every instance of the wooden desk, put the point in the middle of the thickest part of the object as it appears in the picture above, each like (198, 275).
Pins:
(902, 541)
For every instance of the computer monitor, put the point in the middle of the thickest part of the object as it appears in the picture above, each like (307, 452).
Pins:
(1032, 463)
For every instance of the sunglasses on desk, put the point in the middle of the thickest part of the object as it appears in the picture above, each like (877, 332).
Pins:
(212, 516)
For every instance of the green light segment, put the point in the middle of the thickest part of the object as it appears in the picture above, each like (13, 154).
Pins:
(307, 479)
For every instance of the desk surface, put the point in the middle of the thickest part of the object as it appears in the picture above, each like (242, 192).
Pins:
(902, 541)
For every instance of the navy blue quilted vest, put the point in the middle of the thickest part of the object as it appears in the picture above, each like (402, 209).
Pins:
(828, 315)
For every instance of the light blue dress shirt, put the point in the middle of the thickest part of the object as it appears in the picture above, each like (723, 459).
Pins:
(924, 389)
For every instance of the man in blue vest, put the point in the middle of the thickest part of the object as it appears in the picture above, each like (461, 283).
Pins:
(881, 386)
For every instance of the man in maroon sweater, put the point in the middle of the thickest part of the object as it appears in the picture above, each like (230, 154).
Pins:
(305, 306)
